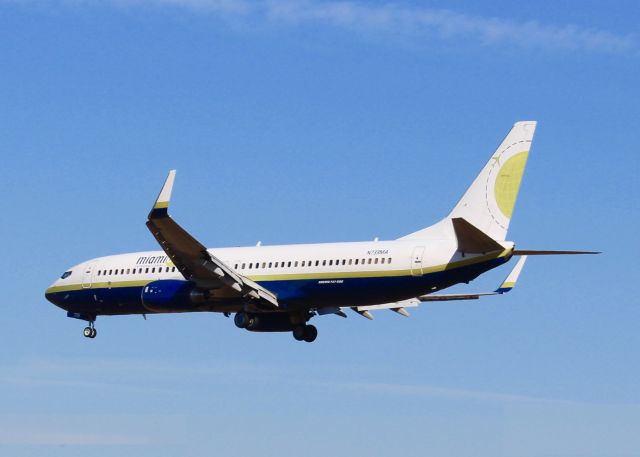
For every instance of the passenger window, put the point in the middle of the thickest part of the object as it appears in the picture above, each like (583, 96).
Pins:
(350, 260)
(369, 262)
(289, 264)
(382, 260)
(324, 262)
(357, 261)
(173, 268)
(270, 263)
(250, 265)
(376, 261)
(389, 259)
(330, 262)
(302, 264)
(243, 265)
(317, 263)
(295, 264)
(235, 267)
(146, 270)
(264, 264)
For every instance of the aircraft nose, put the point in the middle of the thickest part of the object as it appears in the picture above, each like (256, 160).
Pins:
(51, 296)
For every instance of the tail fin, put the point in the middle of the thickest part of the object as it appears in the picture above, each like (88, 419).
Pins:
(488, 203)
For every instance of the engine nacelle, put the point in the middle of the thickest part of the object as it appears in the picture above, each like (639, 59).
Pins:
(264, 322)
(171, 295)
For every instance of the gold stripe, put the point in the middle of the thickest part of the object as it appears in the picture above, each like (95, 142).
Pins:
(281, 277)
(99, 285)
(380, 273)
(160, 205)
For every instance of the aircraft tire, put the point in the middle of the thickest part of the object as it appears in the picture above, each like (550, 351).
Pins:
(299, 332)
(310, 333)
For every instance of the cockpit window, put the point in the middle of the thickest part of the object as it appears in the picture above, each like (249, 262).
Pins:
(66, 274)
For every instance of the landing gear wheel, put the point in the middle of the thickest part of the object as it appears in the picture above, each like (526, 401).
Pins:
(298, 332)
(87, 332)
(310, 333)
(94, 332)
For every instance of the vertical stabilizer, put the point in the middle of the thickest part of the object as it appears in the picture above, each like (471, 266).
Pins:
(488, 203)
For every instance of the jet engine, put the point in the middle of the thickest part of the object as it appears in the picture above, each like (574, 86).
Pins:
(171, 295)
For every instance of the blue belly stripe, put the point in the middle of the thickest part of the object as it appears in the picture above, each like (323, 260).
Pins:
(290, 293)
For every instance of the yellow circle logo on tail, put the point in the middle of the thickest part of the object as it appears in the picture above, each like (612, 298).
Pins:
(507, 182)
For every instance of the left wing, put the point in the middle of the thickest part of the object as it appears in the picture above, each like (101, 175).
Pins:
(196, 263)
(399, 307)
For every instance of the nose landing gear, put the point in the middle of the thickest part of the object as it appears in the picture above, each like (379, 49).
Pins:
(90, 332)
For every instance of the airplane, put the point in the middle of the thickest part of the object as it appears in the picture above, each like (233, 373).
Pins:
(280, 288)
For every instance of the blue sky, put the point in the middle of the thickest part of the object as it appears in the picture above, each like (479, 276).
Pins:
(319, 121)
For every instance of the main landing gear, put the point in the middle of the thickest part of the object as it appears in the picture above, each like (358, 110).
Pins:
(90, 332)
(307, 333)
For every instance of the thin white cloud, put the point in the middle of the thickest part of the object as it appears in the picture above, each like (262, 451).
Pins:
(445, 392)
(396, 19)
(91, 429)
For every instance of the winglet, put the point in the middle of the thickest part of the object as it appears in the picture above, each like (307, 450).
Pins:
(162, 202)
(510, 282)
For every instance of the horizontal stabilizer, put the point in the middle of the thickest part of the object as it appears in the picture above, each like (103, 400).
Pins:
(535, 252)
(510, 282)
(399, 307)
(506, 286)
(471, 239)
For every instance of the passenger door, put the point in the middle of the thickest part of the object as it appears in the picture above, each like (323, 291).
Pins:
(87, 276)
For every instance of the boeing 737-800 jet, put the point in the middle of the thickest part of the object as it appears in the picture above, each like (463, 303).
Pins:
(280, 288)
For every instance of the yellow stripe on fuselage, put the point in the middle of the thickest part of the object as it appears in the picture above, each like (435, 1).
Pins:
(303, 276)
(379, 273)
(100, 285)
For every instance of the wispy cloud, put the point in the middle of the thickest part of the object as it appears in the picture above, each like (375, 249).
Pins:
(91, 429)
(445, 392)
(400, 20)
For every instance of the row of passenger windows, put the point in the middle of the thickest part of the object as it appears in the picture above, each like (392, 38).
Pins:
(312, 263)
(135, 271)
(256, 265)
